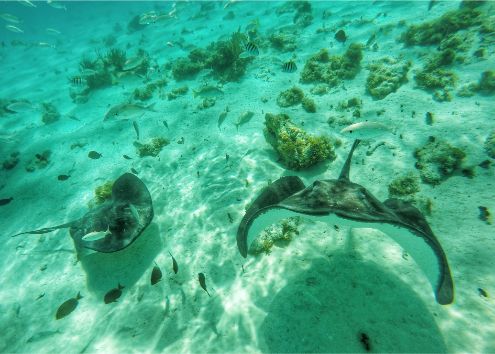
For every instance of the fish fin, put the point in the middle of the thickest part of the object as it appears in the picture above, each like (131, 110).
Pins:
(79, 296)
(120, 286)
(244, 55)
(151, 107)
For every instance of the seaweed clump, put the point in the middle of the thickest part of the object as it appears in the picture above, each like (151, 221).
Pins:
(39, 161)
(279, 234)
(386, 76)
(49, 113)
(309, 105)
(404, 185)
(490, 145)
(11, 161)
(290, 97)
(433, 32)
(296, 148)
(437, 160)
(179, 91)
(435, 77)
(151, 148)
(323, 68)
(222, 57)
(486, 84)
(102, 193)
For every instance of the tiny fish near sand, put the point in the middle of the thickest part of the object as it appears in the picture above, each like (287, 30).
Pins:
(14, 29)
(127, 110)
(175, 267)
(113, 295)
(202, 282)
(222, 116)
(156, 275)
(340, 36)
(20, 107)
(289, 67)
(208, 92)
(244, 118)
(94, 155)
(136, 128)
(68, 306)
(250, 50)
(10, 18)
(63, 177)
(6, 201)
(366, 130)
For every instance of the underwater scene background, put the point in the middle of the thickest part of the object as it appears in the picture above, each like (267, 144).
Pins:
(205, 105)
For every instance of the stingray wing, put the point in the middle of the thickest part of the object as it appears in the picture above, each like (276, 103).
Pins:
(269, 197)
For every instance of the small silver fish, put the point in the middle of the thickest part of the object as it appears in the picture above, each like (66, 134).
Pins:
(20, 106)
(136, 128)
(126, 110)
(244, 118)
(56, 5)
(250, 50)
(366, 130)
(221, 118)
(96, 235)
(53, 31)
(165, 124)
(10, 18)
(14, 29)
(208, 92)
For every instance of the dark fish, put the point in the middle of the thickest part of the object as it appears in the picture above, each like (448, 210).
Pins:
(431, 4)
(485, 164)
(429, 118)
(41, 335)
(340, 36)
(94, 155)
(175, 267)
(6, 201)
(165, 124)
(202, 282)
(227, 157)
(289, 67)
(250, 49)
(133, 170)
(127, 157)
(136, 128)
(63, 177)
(113, 294)
(221, 118)
(156, 275)
(482, 292)
(67, 307)
(230, 218)
(485, 215)
(365, 340)
(76, 80)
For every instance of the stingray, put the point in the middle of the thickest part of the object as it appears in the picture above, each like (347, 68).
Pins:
(116, 223)
(342, 201)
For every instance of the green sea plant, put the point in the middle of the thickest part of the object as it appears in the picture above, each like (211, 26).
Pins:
(283, 41)
(39, 161)
(486, 84)
(279, 234)
(320, 89)
(323, 68)
(434, 31)
(490, 144)
(207, 102)
(102, 193)
(11, 161)
(49, 113)
(296, 148)
(309, 105)
(115, 58)
(98, 80)
(386, 76)
(290, 97)
(437, 160)
(184, 68)
(144, 93)
(152, 148)
(404, 185)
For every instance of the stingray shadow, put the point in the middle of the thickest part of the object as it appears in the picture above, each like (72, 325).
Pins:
(328, 308)
(105, 270)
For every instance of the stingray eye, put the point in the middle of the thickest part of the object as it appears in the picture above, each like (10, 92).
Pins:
(350, 131)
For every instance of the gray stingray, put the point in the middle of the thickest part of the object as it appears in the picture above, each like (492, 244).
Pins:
(116, 223)
(342, 201)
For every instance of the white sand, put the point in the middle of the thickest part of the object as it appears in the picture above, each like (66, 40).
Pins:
(318, 293)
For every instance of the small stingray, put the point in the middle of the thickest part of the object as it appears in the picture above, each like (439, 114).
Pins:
(124, 218)
(340, 201)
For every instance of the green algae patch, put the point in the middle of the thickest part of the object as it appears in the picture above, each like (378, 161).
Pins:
(437, 160)
(404, 185)
(49, 113)
(433, 32)
(279, 234)
(386, 76)
(39, 161)
(323, 68)
(290, 97)
(486, 84)
(296, 148)
(102, 193)
(308, 105)
(152, 148)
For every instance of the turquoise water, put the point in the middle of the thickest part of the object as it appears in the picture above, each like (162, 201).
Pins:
(191, 111)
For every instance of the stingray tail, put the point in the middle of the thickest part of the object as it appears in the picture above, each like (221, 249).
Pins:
(44, 230)
(344, 174)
